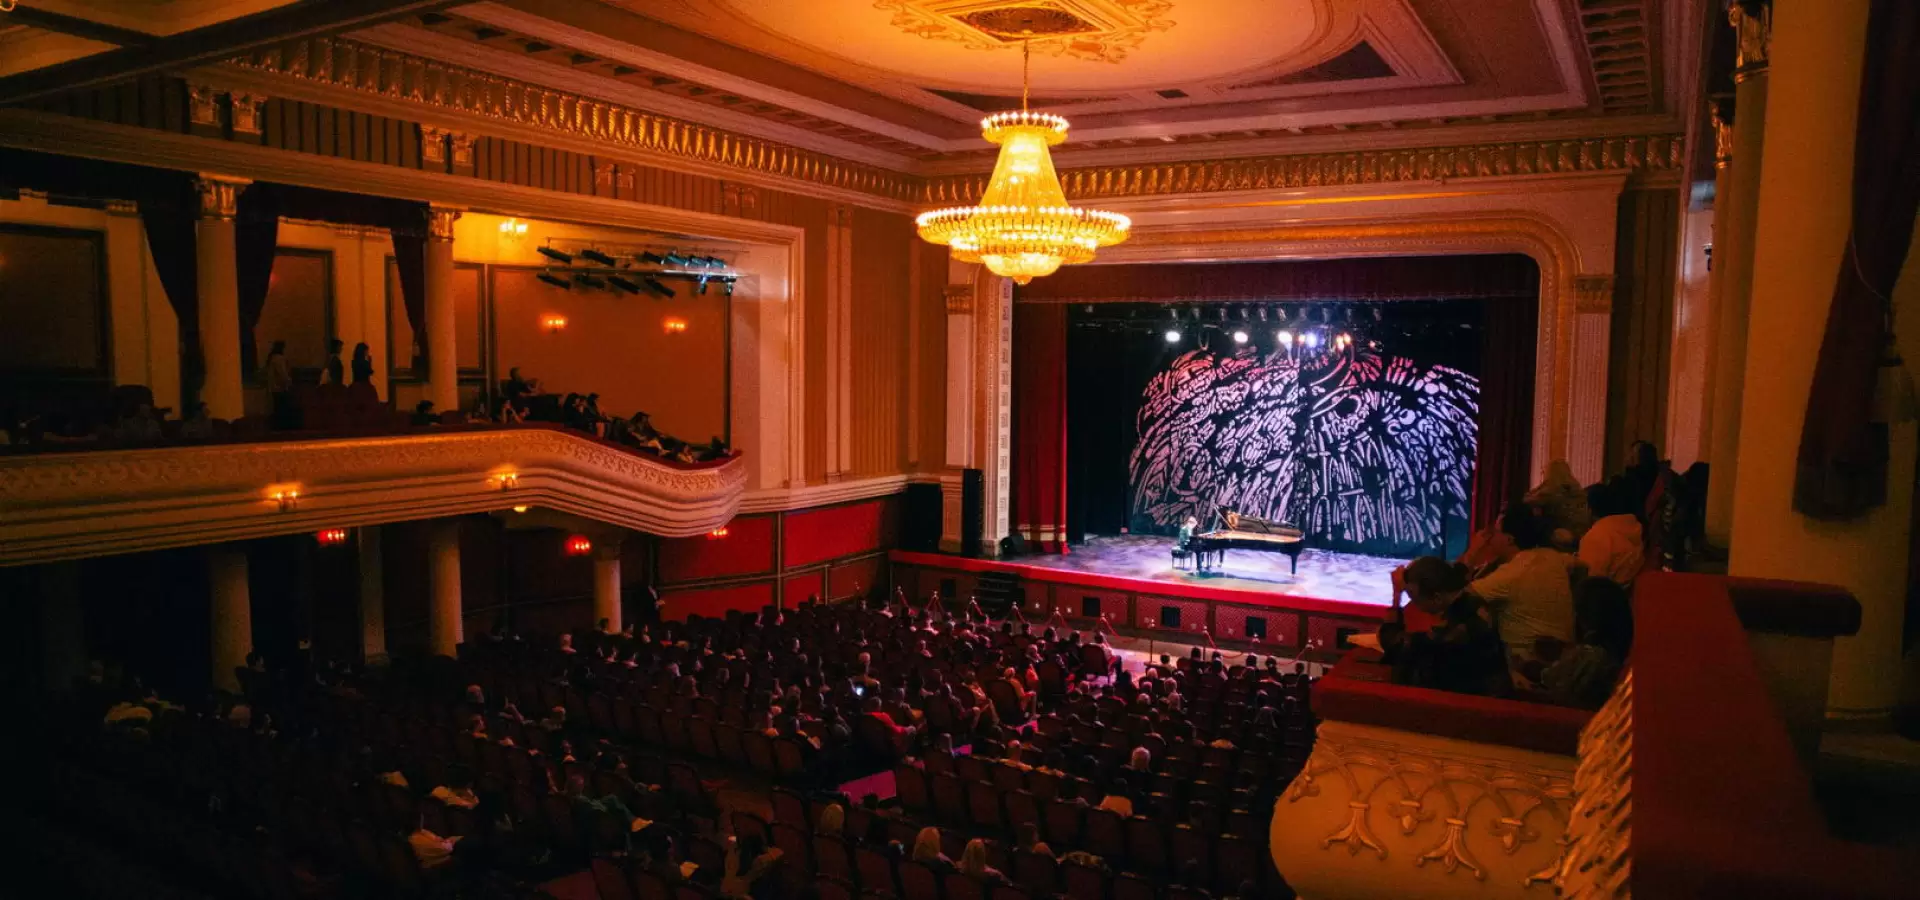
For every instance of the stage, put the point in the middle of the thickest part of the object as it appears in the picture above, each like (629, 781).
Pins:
(1323, 575)
(1129, 583)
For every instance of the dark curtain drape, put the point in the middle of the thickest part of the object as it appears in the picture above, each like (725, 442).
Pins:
(1842, 462)
(256, 240)
(1391, 278)
(1509, 333)
(410, 261)
(1107, 373)
(1040, 425)
(173, 241)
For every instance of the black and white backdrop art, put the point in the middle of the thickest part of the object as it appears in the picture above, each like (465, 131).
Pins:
(1361, 449)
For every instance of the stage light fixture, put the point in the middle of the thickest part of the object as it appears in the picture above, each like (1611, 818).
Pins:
(1311, 339)
(553, 254)
(652, 259)
(623, 284)
(1173, 335)
(675, 259)
(1346, 340)
(597, 256)
(588, 281)
(729, 287)
(654, 285)
(1239, 337)
(1284, 337)
(560, 283)
(702, 290)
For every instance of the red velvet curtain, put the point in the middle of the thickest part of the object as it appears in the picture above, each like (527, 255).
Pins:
(1842, 463)
(1509, 332)
(1040, 425)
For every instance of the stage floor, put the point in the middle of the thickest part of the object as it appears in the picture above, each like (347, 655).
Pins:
(1326, 575)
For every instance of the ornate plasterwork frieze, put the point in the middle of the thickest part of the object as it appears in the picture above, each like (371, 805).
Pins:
(1077, 29)
(1598, 861)
(1649, 153)
(69, 505)
(359, 68)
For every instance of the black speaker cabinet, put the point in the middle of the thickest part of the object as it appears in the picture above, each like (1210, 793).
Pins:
(973, 510)
(922, 525)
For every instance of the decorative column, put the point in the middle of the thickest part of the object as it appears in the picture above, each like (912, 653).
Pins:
(606, 579)
(1734, 214)
(1721, 107)
(373, 596)
(219, 296)
(1587, 413)
(1802, 220)
(993, 403)
(63, 634)
(443, 361)
(443, 575)
(232, 613)
(959, 406)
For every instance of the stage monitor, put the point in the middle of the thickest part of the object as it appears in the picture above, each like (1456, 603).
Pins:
(1256, 628)
(1090, 607)
(1170, 616)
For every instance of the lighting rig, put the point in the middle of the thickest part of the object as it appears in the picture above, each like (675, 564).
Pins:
(634, 269)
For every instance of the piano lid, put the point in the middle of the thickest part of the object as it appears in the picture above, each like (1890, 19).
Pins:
(1241, 522)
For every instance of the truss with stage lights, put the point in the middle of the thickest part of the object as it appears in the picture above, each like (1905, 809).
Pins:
(632, 269)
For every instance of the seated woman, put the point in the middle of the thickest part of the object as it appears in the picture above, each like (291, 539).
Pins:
(926, 851)
(973, 862)
(1462, 652)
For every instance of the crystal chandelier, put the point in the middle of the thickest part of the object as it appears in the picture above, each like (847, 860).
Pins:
(1023, 228)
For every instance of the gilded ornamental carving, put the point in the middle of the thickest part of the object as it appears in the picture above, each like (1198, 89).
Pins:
(1752, 22)
(1597, 862)
(433, 146)
(1380, 812)
(248, 113)
(440, 221)
(219, 196)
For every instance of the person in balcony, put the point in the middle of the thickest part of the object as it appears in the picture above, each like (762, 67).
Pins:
(362, 363)
(335, 371)
(1462, 652)
(423, 414)
(1530, 595)
(1585, 673)
(1615, 546)
(198, 425)
(279, 377)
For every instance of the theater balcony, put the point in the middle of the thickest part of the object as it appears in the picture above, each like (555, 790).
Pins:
(1420, 793)
(57, 506)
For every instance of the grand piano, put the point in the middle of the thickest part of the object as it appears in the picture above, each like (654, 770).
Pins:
(1234, 530)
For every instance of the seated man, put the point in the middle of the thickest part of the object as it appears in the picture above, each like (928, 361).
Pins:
(1531, 594)
(1615, 546)
(1462, 652)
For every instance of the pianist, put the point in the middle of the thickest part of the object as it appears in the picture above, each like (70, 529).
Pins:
(1188, 529)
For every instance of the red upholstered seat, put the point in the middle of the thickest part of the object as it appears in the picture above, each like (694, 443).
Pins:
(911, 786)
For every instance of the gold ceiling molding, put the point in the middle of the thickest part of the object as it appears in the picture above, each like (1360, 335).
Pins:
(1649, 153)
(1093, 30)
(365, 69)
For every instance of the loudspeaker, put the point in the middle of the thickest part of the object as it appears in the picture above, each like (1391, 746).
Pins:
(973, 510)
(921, 529)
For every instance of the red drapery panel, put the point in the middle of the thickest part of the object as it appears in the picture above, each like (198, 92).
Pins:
(1392, 278)
(1508, 335)
(1040, 425)
(1842, 463)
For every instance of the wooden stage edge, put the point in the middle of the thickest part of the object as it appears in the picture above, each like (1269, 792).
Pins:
(1147, 607)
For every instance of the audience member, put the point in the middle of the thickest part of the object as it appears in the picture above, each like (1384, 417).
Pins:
(279, 377)
(334, 371)
(362, 363)
(423, 414)
(1562, 504)
(926, 851)
(973, 862)
(1585, 673)
(1615, 546)
(747, 861)
(1531, 595)
(1462, 652)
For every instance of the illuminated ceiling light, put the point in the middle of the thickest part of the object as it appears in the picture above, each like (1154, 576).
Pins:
(521, 509)
(1311, 339)
(1284, 337)
(1023, 227)
(1173, 335)
(1239, 337)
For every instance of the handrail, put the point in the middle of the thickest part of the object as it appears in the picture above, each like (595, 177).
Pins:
(1360, 690)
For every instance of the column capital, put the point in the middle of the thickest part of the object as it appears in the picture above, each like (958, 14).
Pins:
(440, 221)
(1722, 109)
(1752, 22)
(203, 105)
(219, 195)
(433, 146)
(1593, 293)
(959, 299)
(248, 110)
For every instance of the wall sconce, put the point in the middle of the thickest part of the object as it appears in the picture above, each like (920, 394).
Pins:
(331, 537)
(505, 481)
(513, 229)
(675, 325)
(717, 533)
(578, 545)
(554, 324)
(286, 495)
(521, 509)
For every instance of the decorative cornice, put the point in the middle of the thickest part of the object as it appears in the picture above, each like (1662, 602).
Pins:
(219, 196)
(959, 299)
(247, 109)
(363, 69)
(1638, 154)
(1752, 22)
(1593, 293)
(804, 497)
(72, 505)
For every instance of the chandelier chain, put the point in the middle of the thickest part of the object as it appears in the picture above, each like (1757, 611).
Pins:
(1026, 70)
